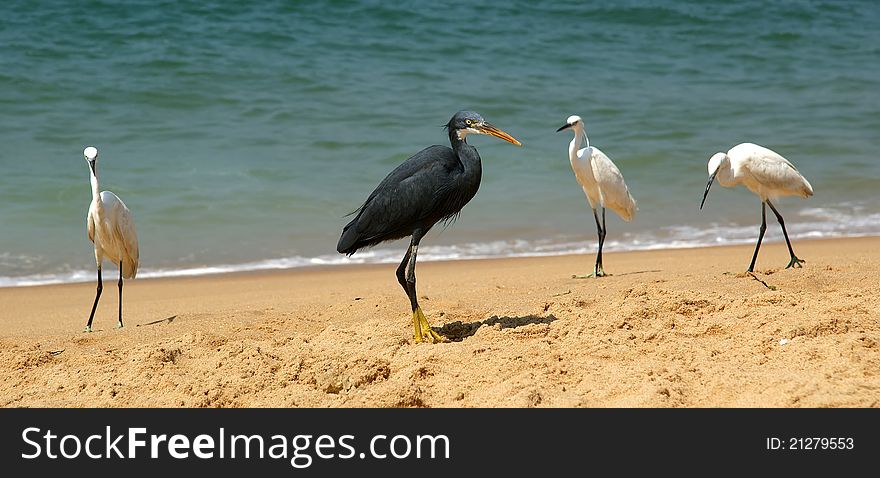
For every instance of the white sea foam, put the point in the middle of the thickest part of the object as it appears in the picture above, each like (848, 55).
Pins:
(673, 237)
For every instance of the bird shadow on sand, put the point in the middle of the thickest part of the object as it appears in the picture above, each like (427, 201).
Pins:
(639, 272)
(166, 320)
(458, 330)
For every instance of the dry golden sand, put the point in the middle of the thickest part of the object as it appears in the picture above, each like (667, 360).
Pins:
(679, 328)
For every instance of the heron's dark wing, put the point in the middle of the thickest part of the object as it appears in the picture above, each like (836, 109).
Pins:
(411, 196)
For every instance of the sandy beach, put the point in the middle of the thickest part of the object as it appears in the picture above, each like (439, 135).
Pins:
(669, 328)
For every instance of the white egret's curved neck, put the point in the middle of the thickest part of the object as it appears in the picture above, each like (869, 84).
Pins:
(96, 191)
(579, 135)
(725, 174)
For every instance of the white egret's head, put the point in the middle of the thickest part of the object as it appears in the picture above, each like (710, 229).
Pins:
(716, 162)
(573, 121)
(91, 155)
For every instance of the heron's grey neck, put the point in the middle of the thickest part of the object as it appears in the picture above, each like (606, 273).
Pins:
(466, 153)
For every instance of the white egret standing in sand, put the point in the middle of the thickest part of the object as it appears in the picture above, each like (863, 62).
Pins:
(111, 229)
(601, 181)
(765, 173)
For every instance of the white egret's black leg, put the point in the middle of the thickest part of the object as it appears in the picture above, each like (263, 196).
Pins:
(598, 271)
(95, 305)
(119, 325)
(760, 235)
(422, 329)
(794, 262)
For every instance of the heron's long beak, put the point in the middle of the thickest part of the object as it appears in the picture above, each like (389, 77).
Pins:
(92, 166)
(563, 127)
(487, 128)
(709, 185)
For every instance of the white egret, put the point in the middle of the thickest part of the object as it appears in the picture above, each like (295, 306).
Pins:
(111, 228)
(601, 181)
(765, 173)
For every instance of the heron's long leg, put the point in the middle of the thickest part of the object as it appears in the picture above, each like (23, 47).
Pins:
(794, 262)
(95, 305)
(421, 327)
(411, 275)
(401, 278)
(401, 270)
(119, 325)
(760, 235)
(408, 281)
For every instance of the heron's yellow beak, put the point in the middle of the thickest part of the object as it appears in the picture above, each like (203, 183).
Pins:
(487, 128)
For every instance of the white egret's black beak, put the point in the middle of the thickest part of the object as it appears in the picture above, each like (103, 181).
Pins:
(92, 165)
(564, 127)
(708, 185)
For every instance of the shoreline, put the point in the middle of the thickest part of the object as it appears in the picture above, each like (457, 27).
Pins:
(319, 267)
(668, 328)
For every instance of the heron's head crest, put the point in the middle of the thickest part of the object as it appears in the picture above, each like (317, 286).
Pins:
(469, 122)
(90, 153)
(465, 120)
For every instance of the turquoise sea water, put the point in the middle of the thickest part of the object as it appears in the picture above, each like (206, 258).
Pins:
(240, 134)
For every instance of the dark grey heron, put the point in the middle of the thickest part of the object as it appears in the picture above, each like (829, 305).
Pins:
(431, 186)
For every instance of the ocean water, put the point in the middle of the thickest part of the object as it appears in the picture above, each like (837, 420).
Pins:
(241, 133)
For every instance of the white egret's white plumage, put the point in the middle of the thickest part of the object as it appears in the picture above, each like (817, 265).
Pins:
(110, 227)
(765, 173)
(601, 181)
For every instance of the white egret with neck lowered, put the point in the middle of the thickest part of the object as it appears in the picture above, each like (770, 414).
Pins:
(601, 181)
(111, 229)
(766, 174)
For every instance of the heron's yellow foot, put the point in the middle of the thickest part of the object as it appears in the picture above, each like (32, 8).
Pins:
(119, 325)
(422, 329)
(795, 262)
(87, 329)
(417, 326)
